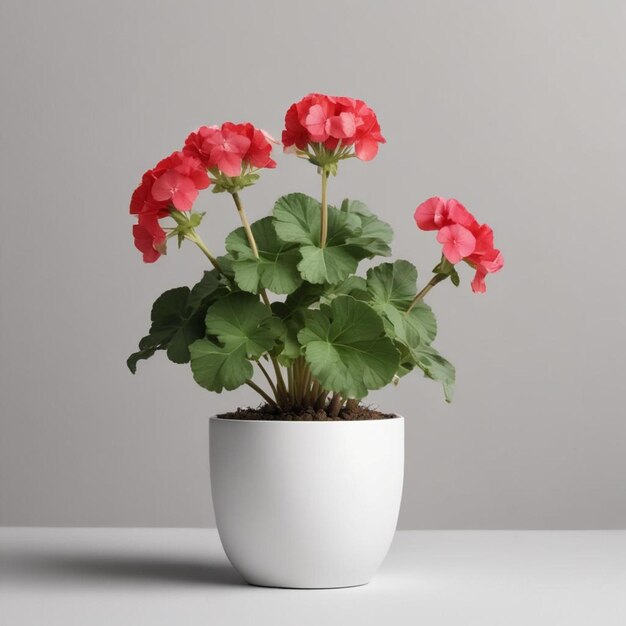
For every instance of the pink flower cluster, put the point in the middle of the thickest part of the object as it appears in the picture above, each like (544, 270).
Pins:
(462, 237)
(174, 183)
(329, 120)
(231, 147)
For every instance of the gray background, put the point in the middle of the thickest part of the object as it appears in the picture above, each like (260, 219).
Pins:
(516, 108)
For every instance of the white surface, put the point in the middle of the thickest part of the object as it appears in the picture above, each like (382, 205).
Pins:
(181, 576)
(282, 522)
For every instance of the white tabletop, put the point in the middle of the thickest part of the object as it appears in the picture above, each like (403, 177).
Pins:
(181, 577)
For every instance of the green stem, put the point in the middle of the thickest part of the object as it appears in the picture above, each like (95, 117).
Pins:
(280, 381)
(437, 278)
(251, 240)
(324, 225)
(269, 379)
(313, 392)
(262, 393)
(193, 236)
(246, 224)
(290, 383)
(306, 384)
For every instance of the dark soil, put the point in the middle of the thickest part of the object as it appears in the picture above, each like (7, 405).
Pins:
(305, 415)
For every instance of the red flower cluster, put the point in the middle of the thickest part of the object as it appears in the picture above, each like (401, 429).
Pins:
(175, 181)
(329, 120)
(463, 238)
(231, 148)
(173, 184)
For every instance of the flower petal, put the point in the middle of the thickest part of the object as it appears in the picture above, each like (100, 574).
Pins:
(431, 214)
(458, 242)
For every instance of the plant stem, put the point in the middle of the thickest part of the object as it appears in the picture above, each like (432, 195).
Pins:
(198, 241)
(352, 404)
(321, 398)
(437, 278)
(335, 405)
(269, 379)
(313, 392)
(324, 226)
(290, 383)
(307, 384)
(262, 393)
(246, 226)
(280, 381)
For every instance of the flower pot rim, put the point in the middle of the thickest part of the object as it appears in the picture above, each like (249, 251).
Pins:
(395, 418)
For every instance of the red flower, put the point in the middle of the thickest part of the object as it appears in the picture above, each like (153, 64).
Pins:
(172, 184)
(184, 164)
(432, 214)
(146, 200)
(149, 237)
(176, 187)
(463, 238)
(295, 133)
(142, 200)
(231, 147)
(458, 242)
(260, 150)
(437, 212)
(331, 121)
(487, 263)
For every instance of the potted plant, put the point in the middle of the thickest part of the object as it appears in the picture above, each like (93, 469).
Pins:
(307, 486)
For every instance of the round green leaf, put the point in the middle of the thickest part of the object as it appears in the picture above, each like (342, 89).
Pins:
(298, 219)
(240, 319)
(275, 269)
(375, 236)
(346, 347)
(219, 367)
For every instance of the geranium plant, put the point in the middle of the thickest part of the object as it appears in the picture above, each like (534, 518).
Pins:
(285, 310)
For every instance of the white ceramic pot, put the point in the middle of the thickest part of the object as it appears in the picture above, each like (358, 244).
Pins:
(306, 504)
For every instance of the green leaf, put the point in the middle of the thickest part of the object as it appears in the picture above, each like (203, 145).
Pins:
(308, 294)
(392, 283)
(302, 298)
(245, 329)
(226, 263)
(297, 220)
(357, 207)
(178, 320)
(415, 352)
(240, 319)
(392, 288)
(169, 308)
(219, 367)
(174, 323)
(375, 235)
(204, 288)
(354, 286)
(287, 346)
(346, 348)
(290, 348)
(144, 353)
(326, 265)
(275, 269)
(454, 277)
(437, 368)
